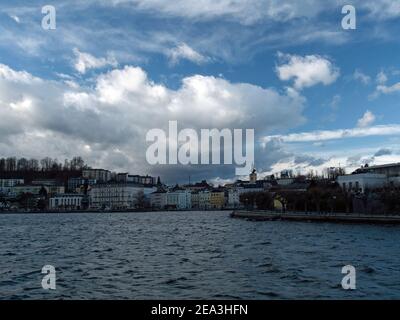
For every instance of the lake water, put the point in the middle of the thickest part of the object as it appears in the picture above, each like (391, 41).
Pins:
(193, 255)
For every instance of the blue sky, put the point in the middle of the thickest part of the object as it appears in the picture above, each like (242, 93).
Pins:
(114, 69)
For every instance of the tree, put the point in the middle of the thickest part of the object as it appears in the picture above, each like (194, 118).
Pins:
(26, 200)
(33, 165)
(22, 164)
(248, 199)
(2, 165)
(46, 163)
(77, 163)
(11, 164)
(67, 165)
(264, 201)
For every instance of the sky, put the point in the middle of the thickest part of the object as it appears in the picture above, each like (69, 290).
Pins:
(316, 95)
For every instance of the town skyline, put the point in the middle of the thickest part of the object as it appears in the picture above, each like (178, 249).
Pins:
(20, 166)
(49, 186)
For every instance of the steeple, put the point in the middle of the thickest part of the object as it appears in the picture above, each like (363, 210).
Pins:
(253, 175)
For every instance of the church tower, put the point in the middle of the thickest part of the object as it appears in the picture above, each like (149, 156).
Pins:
(253, 176)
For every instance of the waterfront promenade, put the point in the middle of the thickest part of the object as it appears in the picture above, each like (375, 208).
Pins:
(258, 215)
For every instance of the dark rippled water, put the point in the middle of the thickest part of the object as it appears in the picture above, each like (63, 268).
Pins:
(193, 255)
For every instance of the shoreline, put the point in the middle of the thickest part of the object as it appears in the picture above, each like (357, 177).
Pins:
(315, 217)
(108, 211)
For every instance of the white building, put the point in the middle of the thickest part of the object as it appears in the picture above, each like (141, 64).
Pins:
(100, 175)
(362, 181)
(179, 199)
(66, 201)
(235, 193)
(390, 170)
(204, 200)
(117, 195)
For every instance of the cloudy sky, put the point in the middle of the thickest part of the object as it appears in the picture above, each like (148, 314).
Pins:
(316, 95)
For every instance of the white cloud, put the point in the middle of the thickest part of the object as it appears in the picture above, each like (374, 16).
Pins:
(381, 78)
(324, 135)
(15, 18)
(336, 100)
(388, 89)
(363, 78)
(183, 51)
(254, 11)
(107, 122)
(382, 9)
(367, 120)
(306, 71)
(85, 61)
(6, 73)
(244, 11)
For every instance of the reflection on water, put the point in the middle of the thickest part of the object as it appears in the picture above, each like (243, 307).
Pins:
(193, 255)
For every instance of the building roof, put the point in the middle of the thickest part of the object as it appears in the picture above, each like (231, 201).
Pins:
(372, 168)
(58, 195)
(159, 191)
(120, 184)
(382, 166)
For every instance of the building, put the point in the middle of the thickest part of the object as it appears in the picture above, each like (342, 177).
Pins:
(45, 182)
(253, 176)
(35, 189)
(362, 181)
(235, 193)
(204, 199)
(57, 189)
(6, 186)
(217, 199)
(234, 198)
(52, 186)
(76, 185)
(100, 175)
(146, 180)
(203, 185)
(285, 181)
(389, 170)
(26, 188)
(7, 183)
(179, 199)
(371, 177)
(285, 174)
(118, 195)
(66, 201)
(127, 178)
(158, 199)
(195, 199)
